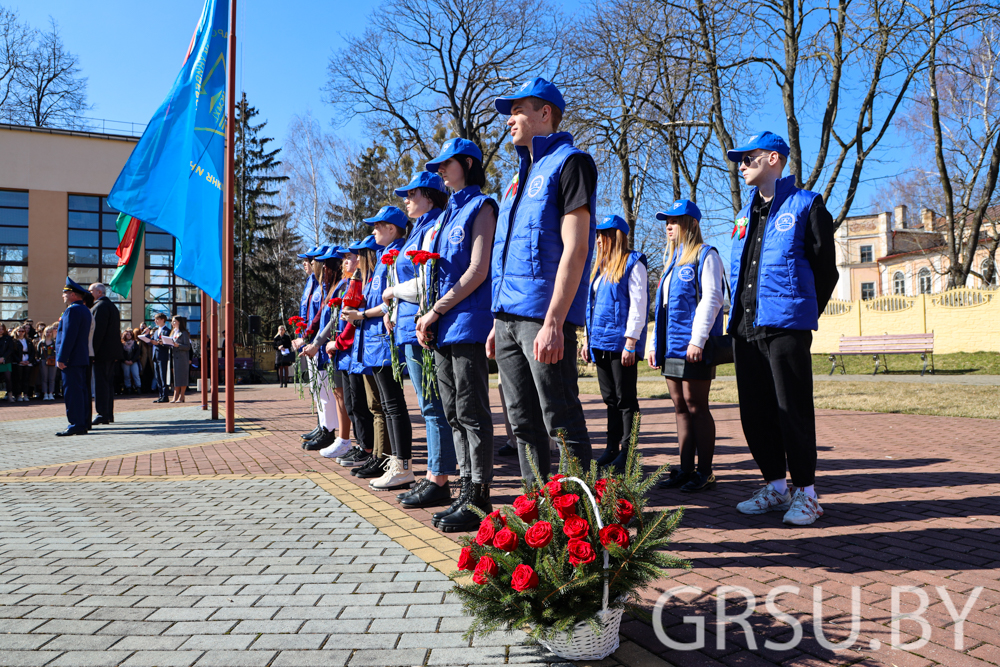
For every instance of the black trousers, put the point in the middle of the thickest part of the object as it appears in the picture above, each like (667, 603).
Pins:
(356, 403)
(774, 379)
(618, 389)
(397, 418)
(160, 371)
(104, 388)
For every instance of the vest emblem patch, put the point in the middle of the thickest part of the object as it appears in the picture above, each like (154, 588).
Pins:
(784, 222)
(686, 273)
(456, 236)
(535, 186)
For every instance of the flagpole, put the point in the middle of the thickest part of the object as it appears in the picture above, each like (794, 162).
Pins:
(228, 241)
(203, 347)
(213, 343)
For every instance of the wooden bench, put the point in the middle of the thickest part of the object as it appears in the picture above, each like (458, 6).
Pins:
(882, 346)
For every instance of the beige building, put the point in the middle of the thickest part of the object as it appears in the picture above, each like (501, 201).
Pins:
(887, 254)
(55, 221)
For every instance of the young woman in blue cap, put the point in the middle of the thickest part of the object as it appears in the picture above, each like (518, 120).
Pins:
(616, 328)
(458, 323)
(390, 232)
(688, 310)
(426, 196)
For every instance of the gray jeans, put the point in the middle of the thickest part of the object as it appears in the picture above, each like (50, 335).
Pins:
(464, 382)
(541, 398)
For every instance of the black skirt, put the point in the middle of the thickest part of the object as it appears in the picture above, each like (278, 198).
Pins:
(682, 369)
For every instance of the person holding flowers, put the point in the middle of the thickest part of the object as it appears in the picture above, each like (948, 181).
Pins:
(307, 323)
(458, 322)
(426, 196)
(390, 227)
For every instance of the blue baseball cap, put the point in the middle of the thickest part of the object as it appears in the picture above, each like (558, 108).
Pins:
(73, 286)
(389, 214)
(320, 250)
(333, 252)
(367, 243)
(451, 148)
(681, 207)
(613, 222)
(308, 254)
(537, 87)
(768, 141)
(424, 179)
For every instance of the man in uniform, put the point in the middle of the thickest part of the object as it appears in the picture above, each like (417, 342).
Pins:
(73, 357)
(108, 351)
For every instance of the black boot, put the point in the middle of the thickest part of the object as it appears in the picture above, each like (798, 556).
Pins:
(464, 519)
(321, 441)
(429, 496)
(311, 434)
(463, 497)
(609, 455)
(419, 486)
(372, 469)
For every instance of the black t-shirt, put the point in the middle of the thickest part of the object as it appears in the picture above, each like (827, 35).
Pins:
(577, 183)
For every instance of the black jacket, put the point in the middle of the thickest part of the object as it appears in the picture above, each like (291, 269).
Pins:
(134, 354)
(107, 331)
(7, 348)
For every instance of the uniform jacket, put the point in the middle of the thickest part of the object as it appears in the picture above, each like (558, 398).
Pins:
(673, 322)
(375, 340)
(607, 310)
(406, 317)
(73, 337)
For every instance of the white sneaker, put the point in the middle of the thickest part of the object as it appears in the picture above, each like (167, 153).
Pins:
(397, 476)
(804, 510)
(766, 499)
(338, 448)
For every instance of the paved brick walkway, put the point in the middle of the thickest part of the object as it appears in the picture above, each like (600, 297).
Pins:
(910, 501)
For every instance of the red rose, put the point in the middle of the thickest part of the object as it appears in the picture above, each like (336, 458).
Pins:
(505, 540)
(565, 505)
(616, 534)
(523, 578)
(575, 527)
(580, 553)
(539, 535)
(466, 561)
(553, 489)
(557, 477)
(526, 509)
(485, 568)
(599, 487)
(495, 514)
(624, 511)
(486, 532)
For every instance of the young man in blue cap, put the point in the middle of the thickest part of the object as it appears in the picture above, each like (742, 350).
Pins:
(782, 271)
(73, 357)
(544, 244)
(309, 310)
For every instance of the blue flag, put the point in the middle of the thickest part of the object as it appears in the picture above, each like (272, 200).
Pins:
(173, 179)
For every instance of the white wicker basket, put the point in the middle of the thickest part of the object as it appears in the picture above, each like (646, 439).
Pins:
(585, 645)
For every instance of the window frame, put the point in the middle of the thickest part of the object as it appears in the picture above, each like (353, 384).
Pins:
(869, 250)
(922, 275)
(174, 283)
(869, 288)
(899, 283)
(14, 308)
(106, 216)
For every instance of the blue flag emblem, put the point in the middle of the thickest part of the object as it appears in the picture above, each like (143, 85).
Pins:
(173, 179)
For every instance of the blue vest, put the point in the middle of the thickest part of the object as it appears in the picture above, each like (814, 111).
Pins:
(607, 311)
(322, 358)
(406, 316)
(471, 319)
(307, 296)
(786, 291)
(73, 337)
(673, 323)
(315, 303)
(375, 340)
(342, 359)
(528, 242)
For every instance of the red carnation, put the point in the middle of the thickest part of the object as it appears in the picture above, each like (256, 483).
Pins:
(624, 511)
(614, 534)
(553, 489)
(565, 505)
(505, 540)
(433, 255)
(411, 253)
(392, 253)
(526, 509)
(539, 535)
(419, 257)
(580, 553)
(486, 567)
(466, 561)
(575, 527)
(486, 532)
(523, 578)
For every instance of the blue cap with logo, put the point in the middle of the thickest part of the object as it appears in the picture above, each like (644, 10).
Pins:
(332, 252)
(451, 148)
(389, 214)
(681, 207)
(73, 286)
(308, 254)
(320, 251)
(537, 87)
(768, 141)
(367, 243)
(424, 179)
(613, 222)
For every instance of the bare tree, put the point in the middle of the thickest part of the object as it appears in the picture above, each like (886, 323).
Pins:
(49, 89)
(15, 43)
(307, 163)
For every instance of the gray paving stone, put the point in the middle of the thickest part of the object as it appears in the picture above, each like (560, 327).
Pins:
(388, 658)
(460, 656)
(129, 628)
(180, 614)
(200, 628)
(255, 627)
(90, 659)
(335, 627)
(420, 610)
(21, 642)
(30, 658)
(144, 643)
(235, 659)
(375, 612)
(70, 627)
(72, 613)
(78, 643)
(289, 642)
(162, 659)
(18, 625)
(433, 640)
(404, 625)
(119, 614)
(247, 613)
(455, 624)
(311, 659)
(236, 642)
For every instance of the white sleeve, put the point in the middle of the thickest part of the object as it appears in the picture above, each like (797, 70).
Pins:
(711, 299)
(407, 291)
(638, 297)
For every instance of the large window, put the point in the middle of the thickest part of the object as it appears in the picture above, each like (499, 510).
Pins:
(924, 280)
(899, 283)
(867, 255)
(13, 255)
(92, 241)
(867, 291)
(165, 292)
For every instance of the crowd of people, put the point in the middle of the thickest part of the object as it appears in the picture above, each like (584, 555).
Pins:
(104, 359)
(460, 278)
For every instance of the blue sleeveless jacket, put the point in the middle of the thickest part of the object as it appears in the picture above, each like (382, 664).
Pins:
(341, 359)
(307, 296)
(607, 311)
(375, 340)
(315, 303)
(673, 323)
(528, 243)
(322, 358)
(471, 319)
(406, 317)
(786, 293)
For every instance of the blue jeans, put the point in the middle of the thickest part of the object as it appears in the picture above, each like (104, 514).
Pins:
(441, 458)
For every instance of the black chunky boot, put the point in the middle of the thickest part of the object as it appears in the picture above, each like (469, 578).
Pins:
(463, 497)
(321, 441)
(428, 496)
(311, 434)
(464, 519)
(609, 455)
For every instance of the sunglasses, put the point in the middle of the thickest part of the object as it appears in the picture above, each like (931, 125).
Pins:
(748, 161)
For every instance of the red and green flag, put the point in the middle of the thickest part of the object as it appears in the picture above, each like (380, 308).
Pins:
(130, 233)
